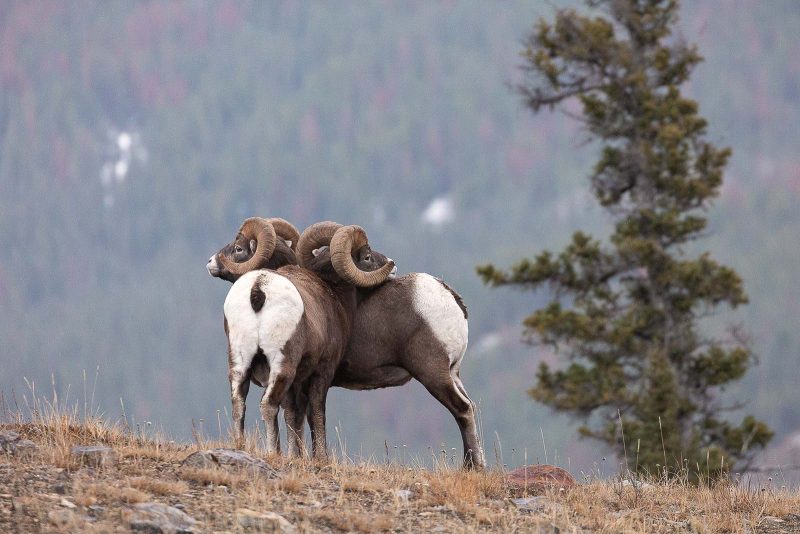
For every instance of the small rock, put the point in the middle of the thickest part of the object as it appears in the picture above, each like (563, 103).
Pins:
(67, 504)
(535, 504)
(157, 518)
(94, 455)
(771, 519)
(96, 509)
(403, 494)
(263, 521)
(61, 518)
(60, 488)
(230, 460)
(11, 443)
(538, 479)
(8, 436)
(25, 445)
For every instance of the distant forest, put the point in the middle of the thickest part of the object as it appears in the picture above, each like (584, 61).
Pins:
(135, 138)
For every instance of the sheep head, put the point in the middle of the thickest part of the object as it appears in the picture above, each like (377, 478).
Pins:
(336, 251)
(259, 244)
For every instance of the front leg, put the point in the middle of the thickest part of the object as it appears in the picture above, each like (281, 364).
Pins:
(294, 409)
(281, 376)
(317, 394)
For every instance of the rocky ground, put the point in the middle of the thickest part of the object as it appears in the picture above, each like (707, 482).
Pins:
(70, 477)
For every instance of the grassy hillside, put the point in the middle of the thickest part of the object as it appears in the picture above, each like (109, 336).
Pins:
(50, 489)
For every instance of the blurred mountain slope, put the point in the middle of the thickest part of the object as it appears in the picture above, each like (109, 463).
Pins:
(135, 137)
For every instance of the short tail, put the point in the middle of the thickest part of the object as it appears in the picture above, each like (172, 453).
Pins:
(257, 296)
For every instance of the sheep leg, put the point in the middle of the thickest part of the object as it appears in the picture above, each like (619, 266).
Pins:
(317, 395)
(434, 372)
(241, 350)
(281, 377)
(240, 385)
(447, 392)
(473, 451)
(294, 410)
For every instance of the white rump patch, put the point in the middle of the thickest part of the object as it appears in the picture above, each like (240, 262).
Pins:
(271, 327)
(436, 305)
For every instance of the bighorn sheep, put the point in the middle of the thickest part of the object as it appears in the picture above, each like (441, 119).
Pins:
(293, 320)
(414, 326)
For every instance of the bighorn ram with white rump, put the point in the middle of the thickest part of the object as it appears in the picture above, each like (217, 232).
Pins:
(287, 328)
(414, 326)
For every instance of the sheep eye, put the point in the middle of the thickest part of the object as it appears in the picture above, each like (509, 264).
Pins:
(238, 249)
(368, 258)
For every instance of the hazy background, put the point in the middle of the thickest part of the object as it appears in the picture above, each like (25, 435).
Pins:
(136, 136)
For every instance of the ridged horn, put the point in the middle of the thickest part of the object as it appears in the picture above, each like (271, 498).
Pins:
(315, 236)
(262, 231)
(345, 241)
(285, 230)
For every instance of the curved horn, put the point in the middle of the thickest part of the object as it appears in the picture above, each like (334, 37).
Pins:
(262, 231)
(346, 240)
(285, 230)
(315, 236)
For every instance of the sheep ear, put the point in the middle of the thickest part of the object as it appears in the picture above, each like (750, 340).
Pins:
(288, 242)
(317, 251)
(253, 246)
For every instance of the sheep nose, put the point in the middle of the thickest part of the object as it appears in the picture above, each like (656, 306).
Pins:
(212, 267)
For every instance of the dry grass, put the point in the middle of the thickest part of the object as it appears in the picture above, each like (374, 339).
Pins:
(89, 493)
(355, 521)
(294, 482)
(158, 486)
(455, 487)
(363, 485)
(213, 476)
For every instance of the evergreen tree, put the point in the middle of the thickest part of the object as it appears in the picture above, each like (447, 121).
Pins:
(626, 313)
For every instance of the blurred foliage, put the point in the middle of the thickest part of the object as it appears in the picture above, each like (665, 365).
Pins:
(345, 111)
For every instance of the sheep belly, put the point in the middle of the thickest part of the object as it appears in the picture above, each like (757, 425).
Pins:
(271, 327)
(434, 303)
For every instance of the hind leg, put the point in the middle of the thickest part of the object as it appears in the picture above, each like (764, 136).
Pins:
(239, 388)
(240, 358)
(433, 371)
(281, 376)
(473, 452)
